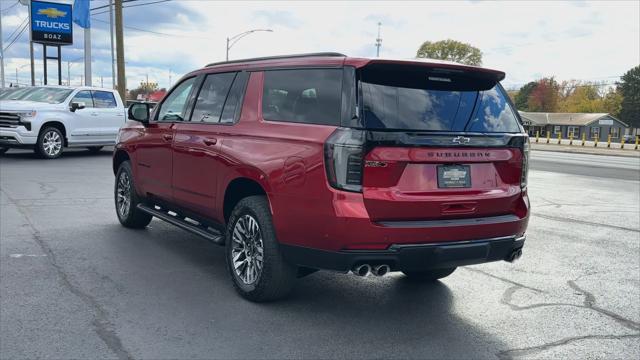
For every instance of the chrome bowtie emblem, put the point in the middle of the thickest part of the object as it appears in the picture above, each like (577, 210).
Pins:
(461, 140)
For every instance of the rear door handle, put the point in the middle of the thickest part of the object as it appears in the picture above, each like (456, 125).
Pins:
(210, 141)
(167, 137)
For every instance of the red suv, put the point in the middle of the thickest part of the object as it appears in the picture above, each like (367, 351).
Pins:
(323, 161)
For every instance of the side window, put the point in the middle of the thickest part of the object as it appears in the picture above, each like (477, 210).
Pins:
(311, 96)
(493, 113)
(233, 105)
(174, 107)
(85, 97)
(104, 99)
(211, 98)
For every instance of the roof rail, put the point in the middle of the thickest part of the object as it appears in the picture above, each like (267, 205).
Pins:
(318, 54)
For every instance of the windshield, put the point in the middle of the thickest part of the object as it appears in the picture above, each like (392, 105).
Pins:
(16, 94)
(47, 95)
(394, 105)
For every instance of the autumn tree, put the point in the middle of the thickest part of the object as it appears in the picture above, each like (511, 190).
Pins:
(544, 96)
(629, 86)
(451, 50)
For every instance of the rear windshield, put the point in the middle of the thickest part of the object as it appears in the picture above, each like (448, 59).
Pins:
(395, 107)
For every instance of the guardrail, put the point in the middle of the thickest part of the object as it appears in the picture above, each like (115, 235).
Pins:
(594, 142)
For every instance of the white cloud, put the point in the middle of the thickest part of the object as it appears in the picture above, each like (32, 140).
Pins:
(524, 39)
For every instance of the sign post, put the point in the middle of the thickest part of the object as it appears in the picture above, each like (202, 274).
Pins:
(51, 26)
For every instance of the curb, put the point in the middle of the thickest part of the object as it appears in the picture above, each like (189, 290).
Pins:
(604, 152)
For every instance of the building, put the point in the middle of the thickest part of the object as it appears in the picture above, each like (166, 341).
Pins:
(594, 125)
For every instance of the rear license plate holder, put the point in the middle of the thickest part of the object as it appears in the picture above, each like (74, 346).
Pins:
(454, 176)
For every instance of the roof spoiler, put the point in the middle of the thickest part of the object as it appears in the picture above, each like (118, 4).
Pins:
(432, 75)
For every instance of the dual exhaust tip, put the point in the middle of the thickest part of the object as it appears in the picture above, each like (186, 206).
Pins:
(366, 269)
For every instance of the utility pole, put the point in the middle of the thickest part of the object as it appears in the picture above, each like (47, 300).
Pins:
(33, 69)
(122, 82)
(378, 41)
(1, 56)
(16, 76)
(68, 73)
(113, 59)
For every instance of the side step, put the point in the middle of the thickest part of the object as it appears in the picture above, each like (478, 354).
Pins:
(189, 225)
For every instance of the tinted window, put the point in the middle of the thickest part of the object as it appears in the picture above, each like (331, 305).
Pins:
(233, 105)
(212, 97)
(306, 96)
(85, 97)
(493, 113)
(404, 108)
(174, 108)
(46, 95)
(104, 99)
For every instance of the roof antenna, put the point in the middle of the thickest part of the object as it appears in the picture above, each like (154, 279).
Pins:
(378, 41)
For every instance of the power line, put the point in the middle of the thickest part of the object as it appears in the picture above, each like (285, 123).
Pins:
(10, 7)
(154, 32)
(17, 28)
(125, 7)
(16, 38)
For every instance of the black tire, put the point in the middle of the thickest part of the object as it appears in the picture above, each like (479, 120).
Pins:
(276, 278)
(50, 143)
(429, 275)
(126, 200)
(95, 149)
(3, 150)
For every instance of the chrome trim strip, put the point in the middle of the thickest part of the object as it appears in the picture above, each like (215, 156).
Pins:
(396, 247)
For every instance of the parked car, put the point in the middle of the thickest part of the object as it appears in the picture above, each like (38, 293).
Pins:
(324, 161)
(49, 118)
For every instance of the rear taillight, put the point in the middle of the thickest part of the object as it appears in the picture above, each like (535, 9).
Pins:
(343, 154)
(525, 163)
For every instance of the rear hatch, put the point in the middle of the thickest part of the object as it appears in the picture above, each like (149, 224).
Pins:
(429, 143)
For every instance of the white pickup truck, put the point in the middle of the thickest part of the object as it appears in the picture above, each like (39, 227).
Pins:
(50, 118)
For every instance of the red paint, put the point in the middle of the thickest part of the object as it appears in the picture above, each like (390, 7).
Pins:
(192, 165)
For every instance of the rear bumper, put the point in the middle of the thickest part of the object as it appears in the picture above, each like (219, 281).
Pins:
(409, 257)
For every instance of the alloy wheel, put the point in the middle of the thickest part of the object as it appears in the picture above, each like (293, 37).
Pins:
(123, 194)
(247, 249)
(52, 143)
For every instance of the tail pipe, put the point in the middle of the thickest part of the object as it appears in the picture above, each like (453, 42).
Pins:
(380, 270)
(361, 270)
(515, 255)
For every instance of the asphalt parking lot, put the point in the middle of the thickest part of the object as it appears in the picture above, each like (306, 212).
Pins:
(75, 284)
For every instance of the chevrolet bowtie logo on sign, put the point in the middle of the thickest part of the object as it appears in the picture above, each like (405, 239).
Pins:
(461, 140)
(51, 23)
(52, 13)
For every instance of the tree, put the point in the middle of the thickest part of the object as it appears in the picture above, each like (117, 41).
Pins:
(451, 50)
(144, 88)
(629, 86)
(544, 97)
(522, 98)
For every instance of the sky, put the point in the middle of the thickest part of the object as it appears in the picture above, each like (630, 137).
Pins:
(583, 40)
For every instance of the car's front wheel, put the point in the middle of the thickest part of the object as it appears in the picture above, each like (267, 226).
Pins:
(127, 200)
(257, 268)
(50, 143)
(429, 275)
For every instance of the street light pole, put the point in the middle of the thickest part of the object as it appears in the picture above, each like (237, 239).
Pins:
(234, 39)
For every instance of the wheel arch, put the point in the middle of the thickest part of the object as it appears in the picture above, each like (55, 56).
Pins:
(119, 157)
(58, 124)
(238, 189)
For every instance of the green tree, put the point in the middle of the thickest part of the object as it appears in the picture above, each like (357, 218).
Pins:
(522, 98)
(629, 86)
(451, 50)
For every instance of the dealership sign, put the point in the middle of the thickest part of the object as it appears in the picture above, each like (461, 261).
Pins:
(51, 23)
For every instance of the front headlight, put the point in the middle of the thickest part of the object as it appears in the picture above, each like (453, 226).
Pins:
(27, 114)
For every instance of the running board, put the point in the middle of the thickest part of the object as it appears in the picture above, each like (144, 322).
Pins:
(190, 225)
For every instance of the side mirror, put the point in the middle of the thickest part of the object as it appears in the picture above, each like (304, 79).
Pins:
(139, 112)
(76, 106)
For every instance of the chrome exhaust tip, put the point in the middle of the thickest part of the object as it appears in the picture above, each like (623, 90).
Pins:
(361, 270)
(380, 270)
